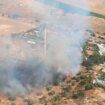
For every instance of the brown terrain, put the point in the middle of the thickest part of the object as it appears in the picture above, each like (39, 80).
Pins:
(54, 95)
(8, 25)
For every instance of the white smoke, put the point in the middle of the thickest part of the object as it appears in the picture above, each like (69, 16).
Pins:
(65, 37)
(66, 34)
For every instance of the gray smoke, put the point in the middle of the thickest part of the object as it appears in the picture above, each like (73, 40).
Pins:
(23, 68)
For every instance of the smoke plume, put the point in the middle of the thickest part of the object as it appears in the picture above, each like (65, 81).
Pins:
(23, 67)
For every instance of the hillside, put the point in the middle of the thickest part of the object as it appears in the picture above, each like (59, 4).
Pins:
(36, 66)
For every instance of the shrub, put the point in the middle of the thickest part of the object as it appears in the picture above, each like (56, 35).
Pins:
(51, 93)
(89, 87)
(79, 94)
(29, 102)
(96, 58)
(88, 64)
(82, 83)
(84, 49)
(75, 96)
(48, 88)
(96, 48)
(102, 74)
(13, 103)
